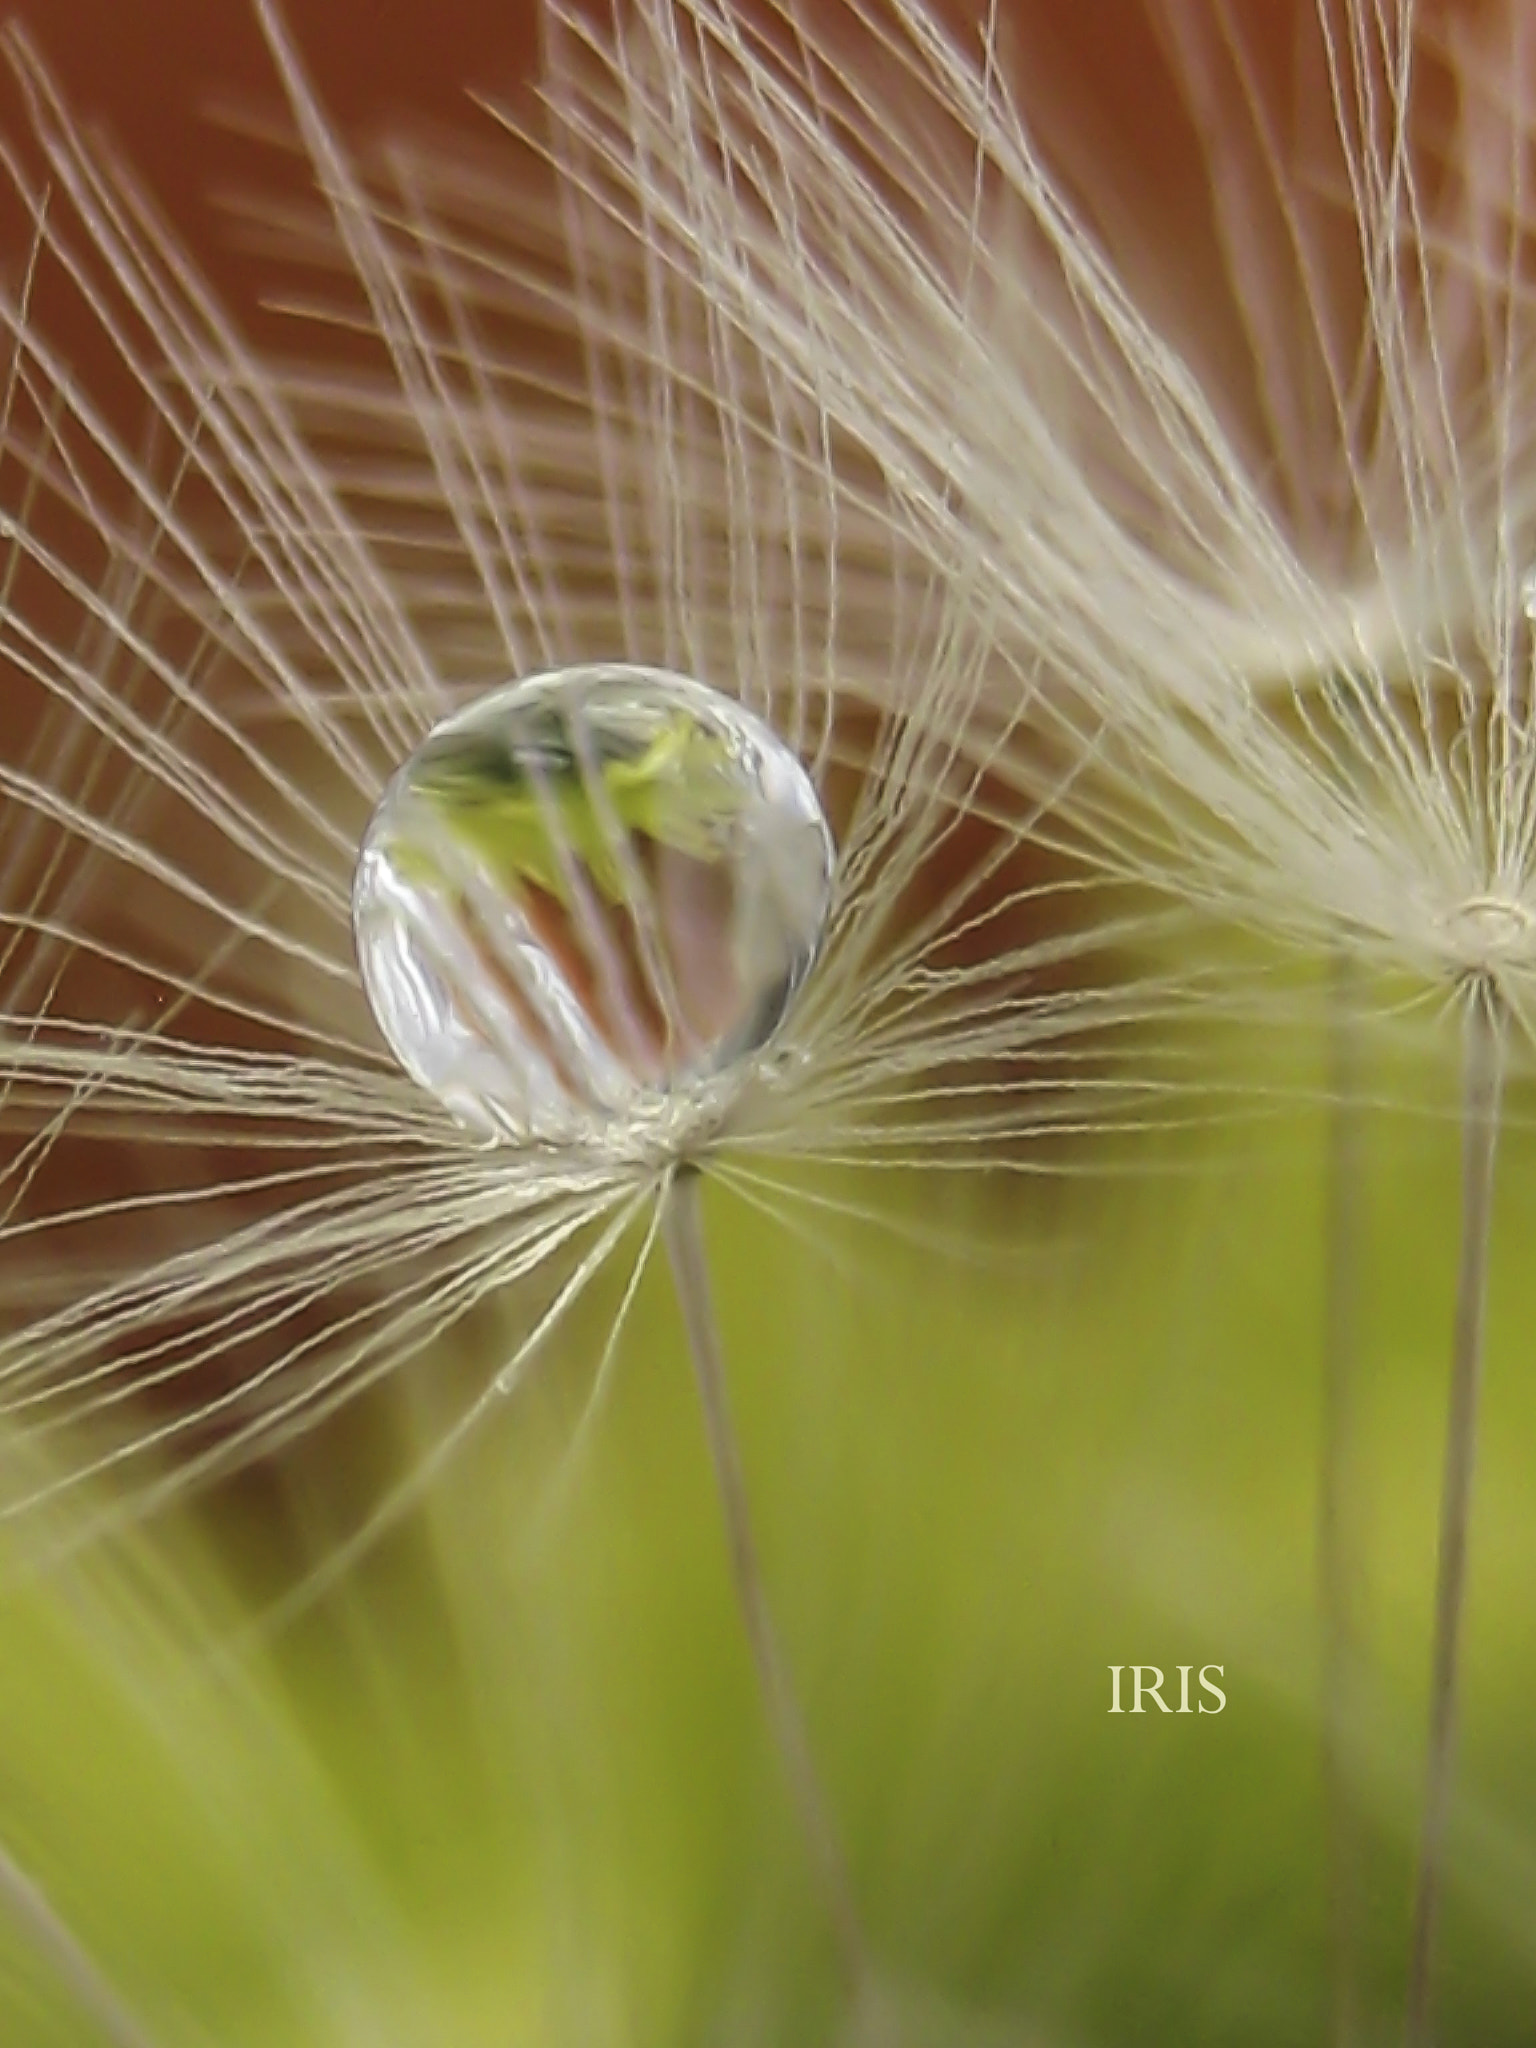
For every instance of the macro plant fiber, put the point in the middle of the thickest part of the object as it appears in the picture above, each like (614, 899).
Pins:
(1095, 446)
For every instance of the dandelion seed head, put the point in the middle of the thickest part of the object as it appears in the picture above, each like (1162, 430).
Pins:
(594, 582)
(584, 896)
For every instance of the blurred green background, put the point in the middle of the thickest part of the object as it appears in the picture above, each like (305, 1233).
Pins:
(506, 1780)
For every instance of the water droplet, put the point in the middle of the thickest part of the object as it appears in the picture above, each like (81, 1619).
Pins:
(1528, 594)
(584, 892)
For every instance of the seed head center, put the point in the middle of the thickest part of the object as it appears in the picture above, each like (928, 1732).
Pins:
(1486, 932)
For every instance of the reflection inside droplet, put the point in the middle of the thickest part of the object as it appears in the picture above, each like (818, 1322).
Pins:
(587, 889)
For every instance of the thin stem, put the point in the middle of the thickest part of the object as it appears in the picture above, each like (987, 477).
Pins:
(1483, 1059)
(25, 1902)
(683, 1229)
(1338, 1548)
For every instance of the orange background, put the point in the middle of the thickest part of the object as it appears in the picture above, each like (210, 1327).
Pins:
(163, 76)
(159, 73)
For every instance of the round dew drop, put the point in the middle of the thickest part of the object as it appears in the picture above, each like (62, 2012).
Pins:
(585, 892)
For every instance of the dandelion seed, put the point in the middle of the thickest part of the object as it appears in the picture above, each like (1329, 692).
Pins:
(599, 653)
(318, 586)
